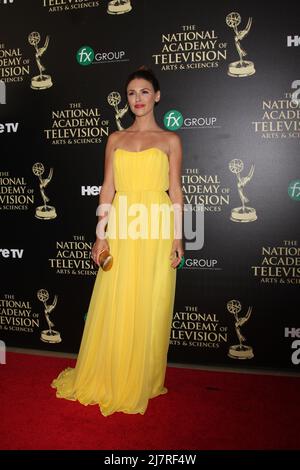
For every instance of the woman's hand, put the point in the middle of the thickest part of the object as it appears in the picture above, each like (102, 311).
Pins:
(99, 246)
(176, 253)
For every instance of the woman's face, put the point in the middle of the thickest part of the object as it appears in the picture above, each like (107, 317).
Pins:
(141, 96)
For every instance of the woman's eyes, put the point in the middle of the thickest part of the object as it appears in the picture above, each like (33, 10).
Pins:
(144, 92)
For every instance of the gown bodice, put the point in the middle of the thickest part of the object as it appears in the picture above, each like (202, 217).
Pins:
(147, 170)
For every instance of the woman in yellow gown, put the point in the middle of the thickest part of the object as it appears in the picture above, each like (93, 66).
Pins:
(123, 353)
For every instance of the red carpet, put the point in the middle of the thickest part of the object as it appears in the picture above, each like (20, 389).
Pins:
(203, 410)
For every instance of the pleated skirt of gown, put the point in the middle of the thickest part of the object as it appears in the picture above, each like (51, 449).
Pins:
(123, 353)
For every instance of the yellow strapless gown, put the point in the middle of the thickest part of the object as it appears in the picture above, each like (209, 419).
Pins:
(123, 353)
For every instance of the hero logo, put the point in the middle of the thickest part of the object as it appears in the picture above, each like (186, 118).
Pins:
(294, 333)
(90, 190)
(11, 253)
(293, 41)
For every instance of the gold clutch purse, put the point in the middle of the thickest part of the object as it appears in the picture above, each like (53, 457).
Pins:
(105, 260)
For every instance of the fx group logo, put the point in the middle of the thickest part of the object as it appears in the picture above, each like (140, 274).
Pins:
(173, 120)
(85, 55)
(294, 190)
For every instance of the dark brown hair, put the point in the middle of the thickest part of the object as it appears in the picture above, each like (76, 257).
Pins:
(146, 74)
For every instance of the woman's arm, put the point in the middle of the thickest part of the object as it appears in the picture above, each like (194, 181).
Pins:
(108, 188)
(105, 199)
(176, 196)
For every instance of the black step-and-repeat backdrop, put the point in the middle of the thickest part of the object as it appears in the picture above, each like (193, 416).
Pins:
(230, 79)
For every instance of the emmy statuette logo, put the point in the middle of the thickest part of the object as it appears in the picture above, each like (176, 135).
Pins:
(243, 213)
(241, 350)
(50, 335)
(240, 68)
(118, 7)
(41, 81)
(44, 212)
(114, 99)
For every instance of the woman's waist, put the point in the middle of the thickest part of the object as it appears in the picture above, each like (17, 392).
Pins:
(146, 196)
(141, 190)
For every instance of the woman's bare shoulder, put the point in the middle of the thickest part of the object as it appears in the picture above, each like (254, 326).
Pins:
(114, 138)
(171, 138)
